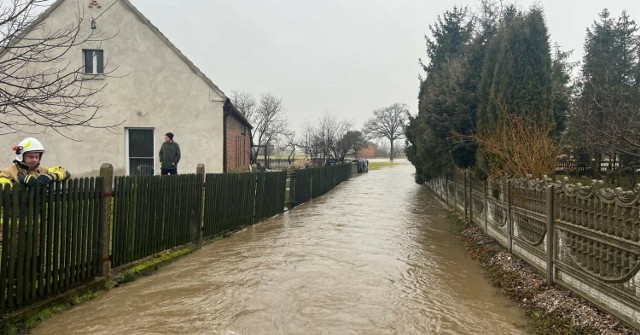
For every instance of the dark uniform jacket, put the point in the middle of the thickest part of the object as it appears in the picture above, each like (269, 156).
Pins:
(169, 155)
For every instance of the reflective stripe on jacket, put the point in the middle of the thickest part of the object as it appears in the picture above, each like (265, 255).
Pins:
(9, 175)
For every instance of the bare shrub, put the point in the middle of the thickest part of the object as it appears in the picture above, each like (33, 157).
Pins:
(519, 146)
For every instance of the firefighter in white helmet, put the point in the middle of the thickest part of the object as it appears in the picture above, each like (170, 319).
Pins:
(27, 170)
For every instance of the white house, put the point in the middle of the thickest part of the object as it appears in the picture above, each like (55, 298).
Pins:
(150, 88)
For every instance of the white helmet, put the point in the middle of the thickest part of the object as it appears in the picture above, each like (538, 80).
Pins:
(29, 144)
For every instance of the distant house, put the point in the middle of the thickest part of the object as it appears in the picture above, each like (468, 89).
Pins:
(150, 88)
(369, 151)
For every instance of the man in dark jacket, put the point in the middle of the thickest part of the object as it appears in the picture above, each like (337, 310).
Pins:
(169, 155)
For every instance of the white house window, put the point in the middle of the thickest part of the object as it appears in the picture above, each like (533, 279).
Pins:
(93, 61)
(140, 151)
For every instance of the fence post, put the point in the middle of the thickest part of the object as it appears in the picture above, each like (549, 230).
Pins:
(292, 190)
(201, 182)
(446, 188)
(485, 195)
(106, 172)
(509, 221)
(550, 232)
(470, 197)
(464, 195)
(455, 192)
(311, 185)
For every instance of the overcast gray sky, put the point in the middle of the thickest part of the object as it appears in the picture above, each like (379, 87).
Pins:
(339, 57)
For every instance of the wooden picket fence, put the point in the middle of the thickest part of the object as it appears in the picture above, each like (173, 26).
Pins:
(154, 213)
(314, 182)
(49, 239)
(58, 237)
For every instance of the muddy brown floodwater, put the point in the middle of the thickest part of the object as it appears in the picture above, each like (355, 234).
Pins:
(373, 256)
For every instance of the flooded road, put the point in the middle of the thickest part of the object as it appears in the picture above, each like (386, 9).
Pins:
(373, 256)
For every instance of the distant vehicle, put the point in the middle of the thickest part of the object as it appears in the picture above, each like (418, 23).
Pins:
(363, 165)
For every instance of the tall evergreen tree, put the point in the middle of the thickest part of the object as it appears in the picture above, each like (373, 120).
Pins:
(562, 88)
(517, 81)
(429, 133)
(606, 115)
(487, 113)
(468, 99)
(521, 82)
(426, 151)
(481, 68)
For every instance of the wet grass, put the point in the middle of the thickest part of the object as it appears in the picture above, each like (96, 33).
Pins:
(149, 266)
(379, 165)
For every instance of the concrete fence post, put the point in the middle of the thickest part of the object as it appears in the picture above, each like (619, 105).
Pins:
(470, 197)
(446, 189)
(485, 201)
(464, 197)
(550, 232)
(201, 181)
(509, 218)
(106, 172)
(455, 192)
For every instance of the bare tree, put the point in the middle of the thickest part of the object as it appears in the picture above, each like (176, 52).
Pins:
(326, 138)
(310, 142)
(350, 143)
(40, 88)
(611, 126)
(333, 130)
(245, 103)
(389, 123)
(290, 142)
(267, 118)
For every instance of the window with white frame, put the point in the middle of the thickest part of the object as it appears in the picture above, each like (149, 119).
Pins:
(93, 61)
(140, 149)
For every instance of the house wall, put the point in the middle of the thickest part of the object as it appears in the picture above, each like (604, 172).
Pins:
(368, 152)
(237, 144)
(148, 86)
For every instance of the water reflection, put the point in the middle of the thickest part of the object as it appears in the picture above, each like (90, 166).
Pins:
(371, 257)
